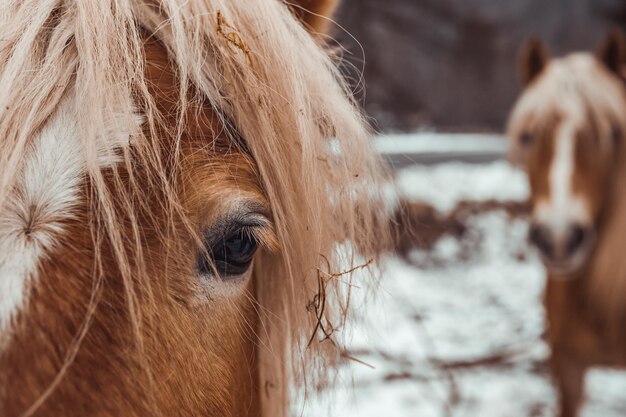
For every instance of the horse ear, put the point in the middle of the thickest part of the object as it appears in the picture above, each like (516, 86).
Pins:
(315, 15)
(612, 51)
(532, 59)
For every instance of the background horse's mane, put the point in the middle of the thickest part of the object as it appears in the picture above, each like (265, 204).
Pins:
(266, 76)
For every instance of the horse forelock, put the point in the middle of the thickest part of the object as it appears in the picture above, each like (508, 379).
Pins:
(276, 89)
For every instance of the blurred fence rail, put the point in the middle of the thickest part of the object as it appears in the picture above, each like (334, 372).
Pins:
(433, 148)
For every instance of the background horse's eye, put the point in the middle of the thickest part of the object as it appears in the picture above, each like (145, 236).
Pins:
(525, 138)
(616, 133)
(231, 257)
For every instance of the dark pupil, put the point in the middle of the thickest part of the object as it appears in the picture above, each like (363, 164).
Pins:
(232, 256)
(526, 138)
(616, 133)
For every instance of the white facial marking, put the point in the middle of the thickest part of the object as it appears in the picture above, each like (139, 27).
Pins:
(46, 194)
(563, 208)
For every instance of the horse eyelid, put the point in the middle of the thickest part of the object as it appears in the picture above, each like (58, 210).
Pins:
(256, 225)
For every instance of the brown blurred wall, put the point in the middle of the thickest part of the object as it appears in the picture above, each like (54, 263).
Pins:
(451, 64)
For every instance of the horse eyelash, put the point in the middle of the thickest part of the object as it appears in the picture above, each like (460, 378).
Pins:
(263, 235)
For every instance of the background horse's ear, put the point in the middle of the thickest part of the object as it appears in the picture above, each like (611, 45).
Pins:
(532, 59)
(612, 51)
(316, 15)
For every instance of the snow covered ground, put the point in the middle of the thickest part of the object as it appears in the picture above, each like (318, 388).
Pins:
(457, 330)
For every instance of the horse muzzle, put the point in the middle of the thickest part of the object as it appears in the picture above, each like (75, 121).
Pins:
(564, 251)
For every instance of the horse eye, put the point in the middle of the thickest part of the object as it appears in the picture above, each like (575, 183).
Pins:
(616, 134)
(230, 257)
(525, 138)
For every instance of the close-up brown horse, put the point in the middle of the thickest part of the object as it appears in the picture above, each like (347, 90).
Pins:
(567, 130)
(176, 180)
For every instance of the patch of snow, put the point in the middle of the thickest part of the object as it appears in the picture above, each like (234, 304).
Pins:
(460, 335)
(445, 185)
(606, 393)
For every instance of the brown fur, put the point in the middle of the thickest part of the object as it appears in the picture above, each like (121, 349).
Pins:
(314, 14)
(586, 310)
(222, 380)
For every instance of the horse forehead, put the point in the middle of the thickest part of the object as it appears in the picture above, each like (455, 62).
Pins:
(45, 195)
(564, 78)
(565, 102)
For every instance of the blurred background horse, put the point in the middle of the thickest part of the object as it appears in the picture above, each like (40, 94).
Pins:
(567, 131)
(171, 205)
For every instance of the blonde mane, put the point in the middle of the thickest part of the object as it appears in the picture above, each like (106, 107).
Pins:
(273, 86)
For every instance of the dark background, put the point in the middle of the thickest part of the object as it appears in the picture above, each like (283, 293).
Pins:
(451, 64)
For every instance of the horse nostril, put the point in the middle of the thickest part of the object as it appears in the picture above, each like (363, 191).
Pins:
(540, 237)
(575, 239)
